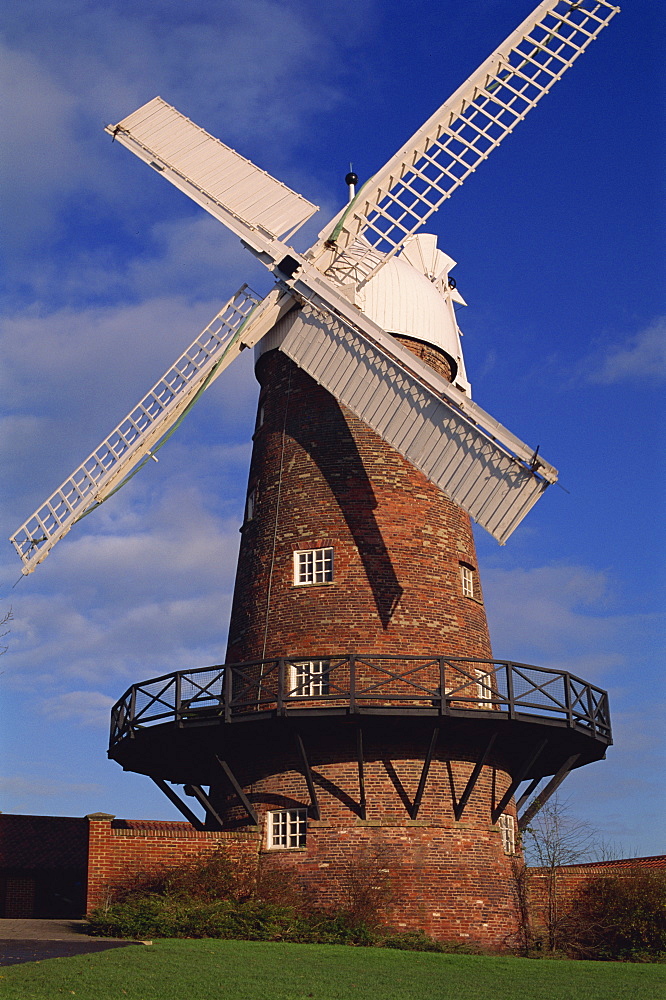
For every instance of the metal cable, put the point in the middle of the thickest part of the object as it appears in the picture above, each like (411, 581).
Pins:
(277, 512)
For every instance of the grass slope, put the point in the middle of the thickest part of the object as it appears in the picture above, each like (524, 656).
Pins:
(248, 970)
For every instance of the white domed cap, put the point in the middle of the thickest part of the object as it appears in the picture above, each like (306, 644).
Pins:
(410, 296)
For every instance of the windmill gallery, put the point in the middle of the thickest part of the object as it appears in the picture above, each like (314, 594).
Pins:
(360, 711)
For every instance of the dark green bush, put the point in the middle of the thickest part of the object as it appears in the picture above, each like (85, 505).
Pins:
(621, 917)
(251, 920)
(418, 941)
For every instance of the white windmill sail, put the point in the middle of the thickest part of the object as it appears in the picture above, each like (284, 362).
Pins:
(397, 200)
(137, 436)
(478, 463)
(226, 184)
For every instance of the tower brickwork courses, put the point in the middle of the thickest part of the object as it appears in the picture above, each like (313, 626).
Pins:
(320, 479)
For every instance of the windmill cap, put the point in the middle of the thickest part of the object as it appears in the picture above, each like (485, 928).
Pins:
(410, 296)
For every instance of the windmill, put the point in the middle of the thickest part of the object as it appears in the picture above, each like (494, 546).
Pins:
(370, 456)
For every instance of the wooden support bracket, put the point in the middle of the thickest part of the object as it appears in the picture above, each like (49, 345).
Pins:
(361, 774)
(424, 774)
(520, 776)
(199, 794)
(243, 799)
(314, 802)
(544, 795)
(459, 806)
(178, 802)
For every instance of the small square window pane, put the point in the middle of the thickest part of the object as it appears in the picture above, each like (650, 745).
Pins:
(507, 829)
(309, 678)
(313, 566)
(467, 577)
(287, 828)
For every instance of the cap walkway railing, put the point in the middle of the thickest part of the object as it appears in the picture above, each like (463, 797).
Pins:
(356, 684)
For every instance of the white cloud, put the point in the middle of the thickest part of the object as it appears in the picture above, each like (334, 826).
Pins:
(641, 356)
(253, 71)
(21, 787)
(35, 162)
(147, 593)
(71, 376)
(566, 617)
(82, 708)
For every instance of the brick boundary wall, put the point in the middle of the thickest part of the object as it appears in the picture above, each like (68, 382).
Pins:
(117, 848)
(570, 878)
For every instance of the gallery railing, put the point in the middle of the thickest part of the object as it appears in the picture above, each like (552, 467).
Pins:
(363, 684)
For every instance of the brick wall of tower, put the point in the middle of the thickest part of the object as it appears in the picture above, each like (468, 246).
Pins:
(449, 878)
(450, 882)
(320, 477)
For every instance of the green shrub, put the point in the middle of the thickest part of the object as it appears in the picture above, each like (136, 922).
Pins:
(621, 917)
(418, 941)
(214, 897)
(251, 920)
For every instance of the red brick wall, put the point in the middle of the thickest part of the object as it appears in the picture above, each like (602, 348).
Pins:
(568, 879)
(452, 878)
(398, 541)
(117, 848)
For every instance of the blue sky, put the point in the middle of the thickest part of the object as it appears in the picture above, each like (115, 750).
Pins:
(108, 273)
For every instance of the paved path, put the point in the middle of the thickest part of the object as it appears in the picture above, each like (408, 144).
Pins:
(35, 940)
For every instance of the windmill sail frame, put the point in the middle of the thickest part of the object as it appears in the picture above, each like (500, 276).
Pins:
(393, 204)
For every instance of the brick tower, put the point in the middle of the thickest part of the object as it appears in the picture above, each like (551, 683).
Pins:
(348, 549)
(361, 719)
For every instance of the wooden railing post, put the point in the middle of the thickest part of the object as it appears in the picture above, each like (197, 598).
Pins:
(227, 691)
(567, 699)
(590, 710)
(352, 683)
(280, 691)
(443, 703)
(178, 686)
(509, 690)
(132, 710)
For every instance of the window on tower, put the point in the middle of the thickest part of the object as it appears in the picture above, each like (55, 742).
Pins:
(467, 579)
(309, 678)
(251, 504)
(286, 829)
(484, 687)
(508, 830)
(313, 566)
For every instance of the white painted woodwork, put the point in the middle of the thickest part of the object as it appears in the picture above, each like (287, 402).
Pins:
(461, 134)
(136, 437)
(225, 183)
(409, 412)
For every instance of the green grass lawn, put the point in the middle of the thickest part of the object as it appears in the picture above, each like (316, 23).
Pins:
(249, 970)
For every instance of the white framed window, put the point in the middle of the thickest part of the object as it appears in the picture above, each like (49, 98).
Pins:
(286, 829)
(508, 830)
(484, 688)
(313, 566)
(251, 504)
(309, 678)
(261, 417)
(467, 578)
